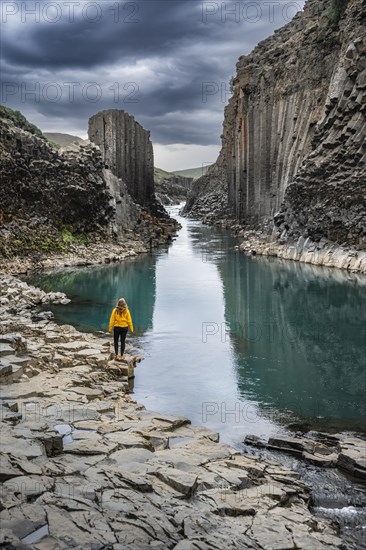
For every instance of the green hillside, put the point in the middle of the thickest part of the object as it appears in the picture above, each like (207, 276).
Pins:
(19, 120)
(194, 173)
(62, 139)
(160, 174)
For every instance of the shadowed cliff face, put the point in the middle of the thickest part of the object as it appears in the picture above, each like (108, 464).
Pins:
(327, 196)
(294, 130)
(280, 90)
(173, 190)
(62, 187)
(127, 152)
(207, 198)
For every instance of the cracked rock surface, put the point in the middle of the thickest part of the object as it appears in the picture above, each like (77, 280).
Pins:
(84, 466)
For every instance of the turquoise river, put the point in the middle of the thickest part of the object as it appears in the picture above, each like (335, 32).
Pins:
(243, 345)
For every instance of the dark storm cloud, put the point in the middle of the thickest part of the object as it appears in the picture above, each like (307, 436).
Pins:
(155, 59)
(148, 28)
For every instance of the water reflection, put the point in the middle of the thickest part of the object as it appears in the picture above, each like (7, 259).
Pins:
(240, 344)
(94, 291)
(299, 335)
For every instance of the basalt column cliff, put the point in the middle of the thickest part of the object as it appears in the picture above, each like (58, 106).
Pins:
(293, 151)
(64, 199)
(127, 152)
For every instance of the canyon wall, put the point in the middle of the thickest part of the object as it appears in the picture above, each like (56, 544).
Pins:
(207, 198)
(327, 195)
(46, 185)
(53, 199)
(293, 152)
(173, 189)
(127, 152)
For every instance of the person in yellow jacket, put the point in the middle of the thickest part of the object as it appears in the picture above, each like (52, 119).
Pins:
(120, 322)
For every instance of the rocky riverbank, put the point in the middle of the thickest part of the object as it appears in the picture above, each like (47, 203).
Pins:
(152, 233)
(342, 450)
(322, 253)
(85, 466)
(82, 255)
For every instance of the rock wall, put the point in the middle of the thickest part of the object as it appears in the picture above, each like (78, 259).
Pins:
(41, 182)
(280, 90)
(53, 200)
(327, 195)
(127, 152)
(208, 196)
(173, 190)
(294, 129)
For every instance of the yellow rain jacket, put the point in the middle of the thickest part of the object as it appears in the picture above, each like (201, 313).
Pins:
(120, 320)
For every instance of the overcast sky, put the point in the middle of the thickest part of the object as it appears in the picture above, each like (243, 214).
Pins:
(167, 62)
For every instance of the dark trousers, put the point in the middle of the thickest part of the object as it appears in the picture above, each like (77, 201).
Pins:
(120, 332)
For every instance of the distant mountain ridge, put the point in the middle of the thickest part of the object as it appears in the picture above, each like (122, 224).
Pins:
(193, 173)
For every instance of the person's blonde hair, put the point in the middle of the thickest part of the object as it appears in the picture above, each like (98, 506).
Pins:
(121, 305)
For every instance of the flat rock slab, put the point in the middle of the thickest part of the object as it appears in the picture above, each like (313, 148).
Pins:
(73, 346)
(131, 460)
(20, 447)
(24, 487)
(271, 534)
(128, 440)
(90, 393)
(103, 406)
(327, 461)
(100, 427)
(182, 482)
(55, 337)
(65, 527)
(7, 468)
(70, 412)
(90, 446)
(352, 457)
(141, 483)
(68, 464)
(6, 349)
(234, 478)
(291, 444)
(23, 519)
(166, 422)
(223, 502)
(89, 352)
